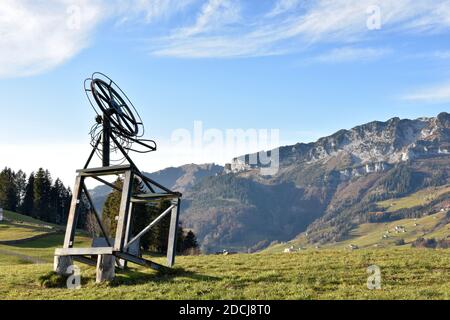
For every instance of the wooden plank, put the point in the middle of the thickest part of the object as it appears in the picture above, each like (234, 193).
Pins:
(83, 251)
(103, 171)
(172, 244)
(72, 219)
(148, 197)
(123, 211)
(128, 225)
(141, 261)
(111, 185)
(106, 270)
(90, 262)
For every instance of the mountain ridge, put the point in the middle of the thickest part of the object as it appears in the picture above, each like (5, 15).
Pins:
(332, 184)
(324, 188)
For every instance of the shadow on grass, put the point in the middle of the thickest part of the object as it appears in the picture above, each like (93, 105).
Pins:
(132, 277)
(47, 241)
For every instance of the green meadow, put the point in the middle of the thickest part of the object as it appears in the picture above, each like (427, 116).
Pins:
(326, 273)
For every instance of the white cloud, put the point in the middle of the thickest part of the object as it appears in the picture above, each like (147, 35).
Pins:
(214, 14)
(150, 10)
(340, 21)
(348, 54)
(437, 94)
(283, 6)
(37, 37)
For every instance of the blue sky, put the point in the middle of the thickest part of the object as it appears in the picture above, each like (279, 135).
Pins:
(307, 68)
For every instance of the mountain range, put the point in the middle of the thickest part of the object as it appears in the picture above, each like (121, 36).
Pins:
(321, 190)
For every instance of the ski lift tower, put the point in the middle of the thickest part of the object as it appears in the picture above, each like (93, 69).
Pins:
(118, 132)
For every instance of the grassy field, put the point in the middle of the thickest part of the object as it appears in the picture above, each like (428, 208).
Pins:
(26, 220)
(384, 235)
(419, 198)
(17, 227)
(15, 231)
(334, 273)
(381, 235)
(39, 251)
(311, 274)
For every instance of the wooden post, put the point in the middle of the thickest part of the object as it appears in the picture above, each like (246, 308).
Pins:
(61, 264)
(123, 212)
(172, 242)
(128, 226)
(72, 219)
(105, 267)
(121, 262)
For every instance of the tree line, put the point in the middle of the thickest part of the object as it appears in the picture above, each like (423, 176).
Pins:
(156, 239)
(39, 197)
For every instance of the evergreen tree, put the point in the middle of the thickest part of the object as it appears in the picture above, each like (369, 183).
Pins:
(66, 198)
(42, 190)
(111, 209)
(59, 206)
(190, 241)
(21, 184)
(141, 217)
(161, 230)
(83, 211)
(28, 198)
(36, 197)
(9, 195)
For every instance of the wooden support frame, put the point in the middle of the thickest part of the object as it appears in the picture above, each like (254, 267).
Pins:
(72, 219)
(147, 228)
(123, 232)
(122, 242)
(173, 231)
(123, 211)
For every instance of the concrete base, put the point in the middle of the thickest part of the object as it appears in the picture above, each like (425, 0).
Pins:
(105, 268)
(61, 264)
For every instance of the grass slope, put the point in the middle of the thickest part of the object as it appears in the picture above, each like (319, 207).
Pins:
(419, 198)
(21, 227)
(40, 250)
(371, 234)
(20, 218)
(311, 274)
(17, 227)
